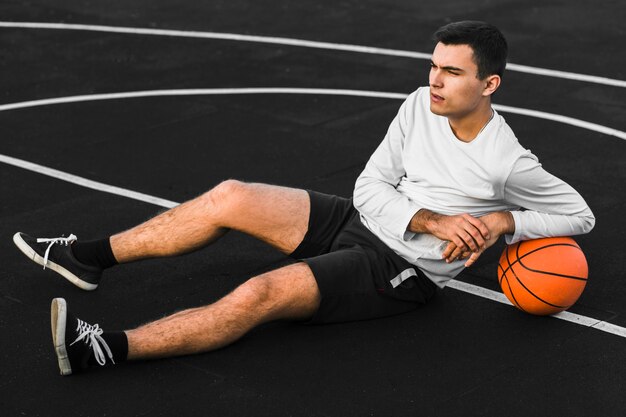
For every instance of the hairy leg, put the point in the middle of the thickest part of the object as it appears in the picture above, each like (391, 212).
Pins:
(276, 215)
(290, 292)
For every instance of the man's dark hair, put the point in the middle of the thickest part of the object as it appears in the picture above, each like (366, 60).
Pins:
(487, 42)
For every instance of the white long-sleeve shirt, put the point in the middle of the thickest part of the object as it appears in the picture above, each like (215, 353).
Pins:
(421, 164)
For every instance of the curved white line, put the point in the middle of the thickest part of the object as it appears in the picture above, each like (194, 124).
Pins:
(299, 43)
(282, 90)
(566, 75)
(562, 119)
(198, 92)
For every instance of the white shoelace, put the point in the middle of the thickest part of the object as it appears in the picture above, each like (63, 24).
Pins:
(58, 240)
(91, 334)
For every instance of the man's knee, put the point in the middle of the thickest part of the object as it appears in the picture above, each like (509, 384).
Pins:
(224, 197)
(288, 293)
(254, 293)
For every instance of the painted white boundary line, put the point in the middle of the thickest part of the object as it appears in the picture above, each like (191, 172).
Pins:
(299, 43)
(83, 182)
(200, 92)
(561, 119)
(564, 315)
(317, 91)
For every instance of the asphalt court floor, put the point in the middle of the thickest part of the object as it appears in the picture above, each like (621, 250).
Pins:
(460, 355)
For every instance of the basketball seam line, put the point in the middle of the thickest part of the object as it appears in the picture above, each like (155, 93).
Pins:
(547, 272)
(519, 260)
(509, 268)
(525, 287)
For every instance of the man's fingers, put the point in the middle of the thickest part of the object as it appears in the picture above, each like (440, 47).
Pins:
(479, 225)
(452, 252)
(472, 241)
(468, 232)
(457, 253)
(448, 251)
(473, 257)
(458, 243)
(478, 232)
(468, 238)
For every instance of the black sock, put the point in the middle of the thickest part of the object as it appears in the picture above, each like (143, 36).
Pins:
(118, 343)
(94, 252)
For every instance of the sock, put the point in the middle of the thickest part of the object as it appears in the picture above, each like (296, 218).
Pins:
(118, 343)
(94, 252)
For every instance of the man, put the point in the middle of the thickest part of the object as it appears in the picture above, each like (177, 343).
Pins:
(446, 182)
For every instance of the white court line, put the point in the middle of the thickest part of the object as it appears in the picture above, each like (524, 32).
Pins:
(564, 315)
(562, 119)
(316, 91)
(298, 43)
(200, 92)
(84, 182)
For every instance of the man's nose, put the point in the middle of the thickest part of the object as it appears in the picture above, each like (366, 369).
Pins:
(435, 79)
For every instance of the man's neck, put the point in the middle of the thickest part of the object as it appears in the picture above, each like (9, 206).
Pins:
(467, 128)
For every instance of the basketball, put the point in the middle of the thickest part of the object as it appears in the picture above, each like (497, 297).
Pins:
(543, 276)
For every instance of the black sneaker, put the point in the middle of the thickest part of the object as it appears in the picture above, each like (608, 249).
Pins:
(75, 341)
(56, 254)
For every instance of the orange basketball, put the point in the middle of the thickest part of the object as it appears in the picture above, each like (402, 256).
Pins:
(543, 276)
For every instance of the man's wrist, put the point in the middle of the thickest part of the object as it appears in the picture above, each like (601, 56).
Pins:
(506, 223)
(422, 221)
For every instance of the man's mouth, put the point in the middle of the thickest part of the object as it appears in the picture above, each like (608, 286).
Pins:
(436, 98)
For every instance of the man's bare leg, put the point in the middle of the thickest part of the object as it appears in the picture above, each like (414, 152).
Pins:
(276, 215)
(290, 292)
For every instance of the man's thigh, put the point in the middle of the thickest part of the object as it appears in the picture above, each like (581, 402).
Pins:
(362, 278)
(328, 215)
(347, 288)
(276, 215)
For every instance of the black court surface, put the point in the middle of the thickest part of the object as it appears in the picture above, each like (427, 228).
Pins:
(170, 136)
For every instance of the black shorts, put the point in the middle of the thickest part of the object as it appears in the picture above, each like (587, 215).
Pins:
(359, 277)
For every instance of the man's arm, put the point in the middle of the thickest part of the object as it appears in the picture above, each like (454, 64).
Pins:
(375, 194)
(551, 206)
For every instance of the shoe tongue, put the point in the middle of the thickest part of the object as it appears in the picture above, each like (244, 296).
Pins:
(80, 355)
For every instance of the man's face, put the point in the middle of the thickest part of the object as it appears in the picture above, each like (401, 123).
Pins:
(455, 90)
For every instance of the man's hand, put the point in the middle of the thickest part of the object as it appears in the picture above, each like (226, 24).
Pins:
(465, 232)
(469, 236)
(497, 223)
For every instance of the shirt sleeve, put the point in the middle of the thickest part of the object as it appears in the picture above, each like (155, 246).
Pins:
(375, 193)
(550, 206)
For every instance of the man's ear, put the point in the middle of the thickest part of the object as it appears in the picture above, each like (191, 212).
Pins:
(492, 83)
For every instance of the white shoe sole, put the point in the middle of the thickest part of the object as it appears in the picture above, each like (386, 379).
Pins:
(28, 251)
(58, 322)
